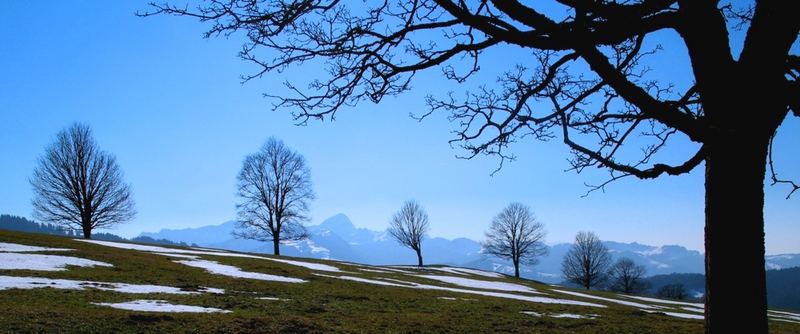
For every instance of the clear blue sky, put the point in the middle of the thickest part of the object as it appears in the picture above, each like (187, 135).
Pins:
(171, 107)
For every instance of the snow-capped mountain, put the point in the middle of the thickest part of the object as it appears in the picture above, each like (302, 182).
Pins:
(782, 261)
(337, 238)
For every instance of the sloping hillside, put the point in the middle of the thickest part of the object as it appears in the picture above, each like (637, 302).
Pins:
(57, 284)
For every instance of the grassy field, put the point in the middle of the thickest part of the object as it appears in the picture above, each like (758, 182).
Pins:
(320, 305)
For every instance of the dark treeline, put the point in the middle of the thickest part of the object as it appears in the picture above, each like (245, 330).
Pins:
(22, 224)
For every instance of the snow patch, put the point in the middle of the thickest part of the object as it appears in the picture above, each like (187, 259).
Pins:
(773, 266)
(786, 316)
(231, 271)
(365, 280)
(272, 298)
(375, 271)
(659, 265)
(786, 320)
(454, 298)
(157, 249)
(14, 282)
(23, 261)
(694, 309)
(467, 271)
(678, 315)
(651, 252)
(479, 284)
(144, 305)
(216, 291)
(398, 283)
(562, 315)
(665, 301)
(309, 265)
(17, 248)
(617, 301)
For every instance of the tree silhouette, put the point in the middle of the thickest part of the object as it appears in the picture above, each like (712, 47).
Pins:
(626, 276)
(409, 225)
(672, 291)
(585, 81)
(516, 235)
(587, 262)
(79, 186)
(275, 188)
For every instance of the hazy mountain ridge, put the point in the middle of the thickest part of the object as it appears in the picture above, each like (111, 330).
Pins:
(337, 238)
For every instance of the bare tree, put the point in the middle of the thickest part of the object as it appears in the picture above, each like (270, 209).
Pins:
(583, 76)
(516, 235)
(79, 186)
(587, 261)
(275, 190)
(409, 225)
(626, 276)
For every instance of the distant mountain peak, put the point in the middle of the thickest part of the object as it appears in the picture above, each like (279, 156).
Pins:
(339, 222)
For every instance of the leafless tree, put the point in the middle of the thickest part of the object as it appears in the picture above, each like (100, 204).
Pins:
(274, 190)
(672, 291)
(79, 186)
(582, 76)
(587, 261)
(516, 235)
(409, 225)
(626, 276)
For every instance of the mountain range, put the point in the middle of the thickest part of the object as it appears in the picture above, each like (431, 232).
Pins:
(337, 238)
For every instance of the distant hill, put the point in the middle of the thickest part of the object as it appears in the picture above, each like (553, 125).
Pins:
(782, 261)
(783, 286)
(338, 238)
(21, 224)
(16, 223)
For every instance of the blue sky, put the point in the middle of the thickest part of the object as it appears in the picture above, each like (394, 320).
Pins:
(171, 107)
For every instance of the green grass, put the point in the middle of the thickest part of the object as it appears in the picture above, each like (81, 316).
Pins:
(322, 305)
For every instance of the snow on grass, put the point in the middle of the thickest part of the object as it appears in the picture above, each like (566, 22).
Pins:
(216, 291)
(480, 284)
(160, 306)
(784, 316)
(467, 271)
(680, 315)
(562, 315)
(17, 248)
(454, 298)
(694, 309)
(14, 282)
(399, 283)
(375, 271)
(367, 280)
(786, 320)
(24, 261)
(231, 271)
(664, 301)
(179, 256)
(158, 249)
(309, 265)
(186, 253)
(272, 298)
(617, 301)
(790, 314)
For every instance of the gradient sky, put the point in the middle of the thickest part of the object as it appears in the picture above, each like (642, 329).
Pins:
(171, 107)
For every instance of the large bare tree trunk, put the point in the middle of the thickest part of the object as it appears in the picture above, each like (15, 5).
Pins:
(86, 225)
(276, 246)
(516, 269)
(419, 257)
(87, 232)
(734, 236)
